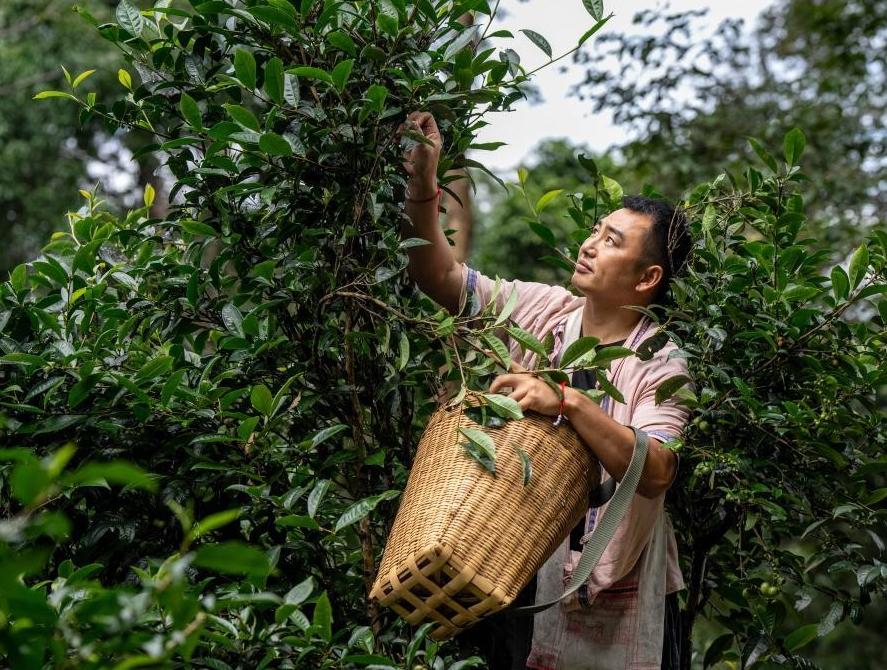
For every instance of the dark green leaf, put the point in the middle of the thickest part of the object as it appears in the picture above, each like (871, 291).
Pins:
(362, 508)
(527, 340)
(578, 348)
(129, 18)
(112, 472)
(669, 387)
(859, 264)
(243, 116)
(595, 8)
(232, 558)
(274, 145)
(190, 111)
(274, 80)
(504, 406)
(245, 68)
(793, 146)
(538, 40)
(261, 398)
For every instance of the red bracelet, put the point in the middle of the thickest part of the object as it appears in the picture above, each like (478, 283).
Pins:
(436, 195)
(561, 416)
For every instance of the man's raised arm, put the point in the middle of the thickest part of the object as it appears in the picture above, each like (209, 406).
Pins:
(432, 266)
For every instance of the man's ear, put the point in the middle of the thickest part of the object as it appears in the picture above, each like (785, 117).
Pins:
(650, 279)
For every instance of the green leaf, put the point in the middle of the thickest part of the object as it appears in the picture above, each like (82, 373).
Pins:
(312, 72)
(403, 351)
(762, 153)
(481, 440)
(85, 257)
(793, 146)
(232, 558)
(840, 283)
(19, 358)
(546, 199)
(595, 8)
(170, 386)
(125, 79)
(608, 354)
(297, 521)
(245, 68)
(212, 522)
(578, 348)
(716, 649)
(155, 367)
(709, 218)
(802, 636)
(113, 472)
(613, 188)
(322, 620)
(261, 398)
(538, 40)
(504, 406)
(300, 592)
(416, 643)
(274, 80)
(190, 111)
(129, 18)
(291, 90)
(607, 386)
(274, 145)
(243, 116)
(362, 508)
(527, 340)
(198, 228)
(341, 73)
(325, 434)
(316, 496)
(29, 482)
(507, 308)
(376, 95)
(669, 387)
(526, 464)
(499, 349)
(81, 78)
(859, 264)
(275, 16)
(43, 95)
(591, 31)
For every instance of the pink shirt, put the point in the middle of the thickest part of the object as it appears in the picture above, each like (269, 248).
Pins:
(621, 626)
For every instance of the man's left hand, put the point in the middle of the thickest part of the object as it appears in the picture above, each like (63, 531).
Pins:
(530, 392)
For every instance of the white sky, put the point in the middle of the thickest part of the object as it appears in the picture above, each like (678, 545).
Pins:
(563, 22)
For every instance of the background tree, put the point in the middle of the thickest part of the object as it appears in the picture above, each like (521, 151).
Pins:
(47, 155)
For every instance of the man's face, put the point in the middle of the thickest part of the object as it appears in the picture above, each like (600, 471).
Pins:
(609, 266)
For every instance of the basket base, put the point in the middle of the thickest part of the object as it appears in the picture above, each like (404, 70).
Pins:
(434, 585)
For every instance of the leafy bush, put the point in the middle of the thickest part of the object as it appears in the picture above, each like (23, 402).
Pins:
(244, 368)
(209, 416)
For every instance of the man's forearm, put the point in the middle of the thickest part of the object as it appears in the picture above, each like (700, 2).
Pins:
(432, 266)
(613, 444)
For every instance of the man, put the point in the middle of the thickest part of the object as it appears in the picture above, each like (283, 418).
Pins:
(619, 618)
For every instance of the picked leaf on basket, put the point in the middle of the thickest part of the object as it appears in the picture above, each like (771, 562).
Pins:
(481, 415)
(480, 447)
(526, 464)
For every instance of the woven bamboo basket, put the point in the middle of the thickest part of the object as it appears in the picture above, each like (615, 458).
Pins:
(464, 543)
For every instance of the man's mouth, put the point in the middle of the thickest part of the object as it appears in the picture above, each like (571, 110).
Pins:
(583, 266)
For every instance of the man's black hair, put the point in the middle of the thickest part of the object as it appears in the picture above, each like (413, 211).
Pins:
(669, 241)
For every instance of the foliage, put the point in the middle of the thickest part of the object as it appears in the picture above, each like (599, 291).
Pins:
(44, 155)
(814, 64)
(252, 368)
(779, 508)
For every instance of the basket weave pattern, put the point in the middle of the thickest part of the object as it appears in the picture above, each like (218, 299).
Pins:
(464, 543)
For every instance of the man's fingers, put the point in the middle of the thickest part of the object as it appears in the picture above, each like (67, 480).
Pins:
(502, 381)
